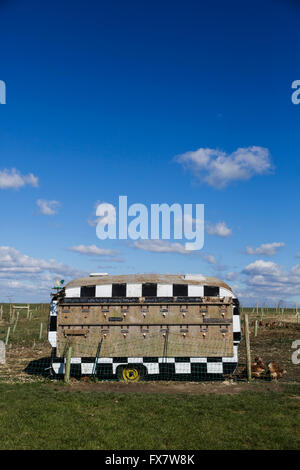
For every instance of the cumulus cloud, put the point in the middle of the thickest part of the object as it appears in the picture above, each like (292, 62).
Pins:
(268, 249)
(92, 250)
(12, 262)
(210, 259)
(268, 280)
(218, 169)
(13, 179)
(262, 267)
(47, 207)
(24, 277)
(161, 246)
(164, 246)
(96, 251)
(220, 229)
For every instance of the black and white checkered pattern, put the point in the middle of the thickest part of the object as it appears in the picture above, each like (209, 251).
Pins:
(204, 367)
(154, 366)
(136, 291)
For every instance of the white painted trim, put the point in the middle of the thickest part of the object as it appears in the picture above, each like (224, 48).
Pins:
(195, 291)
(73, 292)
(164, 290)
(134, 290)
(104, 290)
(182, 368)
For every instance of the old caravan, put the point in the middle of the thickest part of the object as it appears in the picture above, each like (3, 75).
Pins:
(146, 326)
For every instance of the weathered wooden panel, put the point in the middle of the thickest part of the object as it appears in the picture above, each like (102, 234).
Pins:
(163, 313)
(148, 340)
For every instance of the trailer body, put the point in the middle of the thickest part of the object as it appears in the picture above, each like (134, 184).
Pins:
(164, 326)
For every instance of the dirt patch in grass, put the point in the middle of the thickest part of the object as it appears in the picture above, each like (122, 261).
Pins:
(18, 360)
(160, 387)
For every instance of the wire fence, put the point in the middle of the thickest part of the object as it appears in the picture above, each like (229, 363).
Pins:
(274, 345)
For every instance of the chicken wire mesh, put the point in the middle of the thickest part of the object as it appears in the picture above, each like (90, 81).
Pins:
(274, 338)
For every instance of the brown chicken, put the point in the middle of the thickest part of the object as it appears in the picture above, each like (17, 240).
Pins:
(275, 371)
(257, 368)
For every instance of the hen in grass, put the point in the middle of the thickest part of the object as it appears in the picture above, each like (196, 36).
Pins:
(275, 371)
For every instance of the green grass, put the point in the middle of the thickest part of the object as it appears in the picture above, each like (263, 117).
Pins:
(27, 330)
(43, 416)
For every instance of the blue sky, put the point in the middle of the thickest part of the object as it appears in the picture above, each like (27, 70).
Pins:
(100, 99)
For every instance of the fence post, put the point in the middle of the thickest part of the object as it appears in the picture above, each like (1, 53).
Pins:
(41, 331)
(262, 312)
(247, 338)
(15, 326)
(96, 359)
(68, 365)
(7, 336)
(255, 327)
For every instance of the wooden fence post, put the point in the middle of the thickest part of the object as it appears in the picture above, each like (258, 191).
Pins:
(247, 338)
(68, 365)
(255, 327)
(41, 331)
(7, 336)
(15, 326)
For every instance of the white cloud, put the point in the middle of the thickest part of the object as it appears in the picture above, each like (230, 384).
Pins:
(162, 246)
(210, 259)
(219, 169)
(47, 207)
(263, 267)
(268, 249)
(24, 278)
(220, 229)
(268, 280)
(92, 250)
(13, 179)
(96, 252)
(12, 262)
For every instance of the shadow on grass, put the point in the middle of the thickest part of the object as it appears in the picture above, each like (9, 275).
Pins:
(40, 367)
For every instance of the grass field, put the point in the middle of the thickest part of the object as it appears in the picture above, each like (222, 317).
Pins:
(36, 413)
(49, 416)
